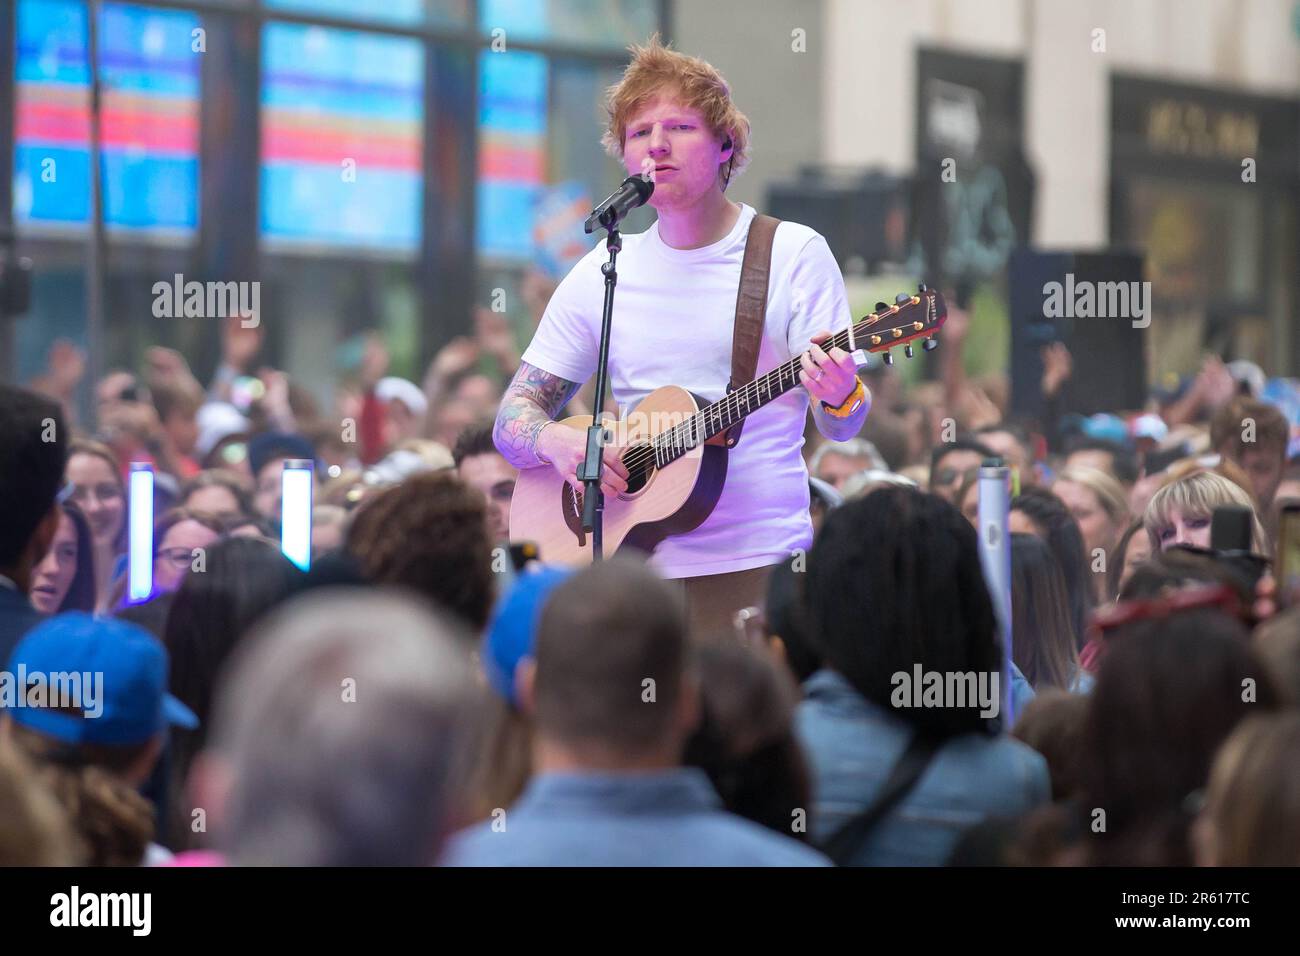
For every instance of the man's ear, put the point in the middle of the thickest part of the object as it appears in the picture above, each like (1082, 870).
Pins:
(526, 685)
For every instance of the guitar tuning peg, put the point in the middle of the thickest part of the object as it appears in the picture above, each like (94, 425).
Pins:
(930, 344)
(889, 357)
(922, 288)
(907, 349)
(881, 307)
(902, 298)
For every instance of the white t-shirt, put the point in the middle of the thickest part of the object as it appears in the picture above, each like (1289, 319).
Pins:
(674, 310)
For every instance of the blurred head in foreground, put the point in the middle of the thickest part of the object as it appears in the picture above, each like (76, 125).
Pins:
(337, 735)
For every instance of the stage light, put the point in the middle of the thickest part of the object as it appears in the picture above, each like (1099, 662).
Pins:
(140, 532)
(295, 511)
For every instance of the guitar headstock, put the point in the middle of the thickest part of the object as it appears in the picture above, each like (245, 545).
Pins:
(911, 317)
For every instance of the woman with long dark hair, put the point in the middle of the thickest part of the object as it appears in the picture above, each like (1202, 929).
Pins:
(211, 613)
(1039, 512)
(1169, 692)
(908, 700)
(1043, 642)
(745, 741)
(1133, 549)
(179, 536)
(65, 579)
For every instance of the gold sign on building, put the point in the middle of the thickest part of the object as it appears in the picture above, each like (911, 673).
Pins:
(1190, 129)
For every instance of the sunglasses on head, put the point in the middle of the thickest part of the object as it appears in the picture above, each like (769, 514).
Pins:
(1195, 597)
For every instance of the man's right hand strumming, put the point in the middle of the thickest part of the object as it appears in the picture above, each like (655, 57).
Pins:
(531, 402)
(566, 449)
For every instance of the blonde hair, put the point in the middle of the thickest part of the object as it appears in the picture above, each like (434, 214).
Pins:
(1277, 640)
(1253, 790)
(656, 69)
(34, 829)
(1109, 492)
(1215, 463)
(503, 761)
(96, 449)
(112, 824)
(435, 454)
(1196, 496)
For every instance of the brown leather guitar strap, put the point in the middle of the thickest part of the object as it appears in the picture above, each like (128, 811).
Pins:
(751, 308)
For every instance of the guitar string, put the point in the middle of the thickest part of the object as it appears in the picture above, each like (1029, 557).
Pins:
(684, 435)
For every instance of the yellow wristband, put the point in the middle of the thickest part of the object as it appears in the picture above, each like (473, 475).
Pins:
(851, 404)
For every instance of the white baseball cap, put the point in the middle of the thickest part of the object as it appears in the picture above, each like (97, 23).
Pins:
(402, 390)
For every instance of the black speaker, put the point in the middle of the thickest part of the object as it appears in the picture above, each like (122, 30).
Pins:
(861, 215)
(1098, 306)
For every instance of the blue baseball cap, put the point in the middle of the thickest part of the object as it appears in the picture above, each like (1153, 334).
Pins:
(512, 634)
(121, 672)
(1107, 428)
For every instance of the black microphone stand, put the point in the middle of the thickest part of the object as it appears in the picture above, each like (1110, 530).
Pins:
(633, 193)
(593, 498)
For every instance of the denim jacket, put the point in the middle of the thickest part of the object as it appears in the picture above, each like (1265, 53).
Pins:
(663, 818)
(852, 745)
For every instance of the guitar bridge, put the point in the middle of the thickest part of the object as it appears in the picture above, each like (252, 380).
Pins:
(571, 507)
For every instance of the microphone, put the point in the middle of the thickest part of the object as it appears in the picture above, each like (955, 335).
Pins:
(634, 192)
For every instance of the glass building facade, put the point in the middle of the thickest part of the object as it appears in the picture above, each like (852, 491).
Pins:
(374, 166)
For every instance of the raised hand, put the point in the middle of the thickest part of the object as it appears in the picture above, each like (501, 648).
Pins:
(496, 338)
(1058, 366)
(1214, 383)
(67, 365)
(956, 326)
(976, 409)
(137, 421)
(456, 357)
(167, 366)
(275, 399)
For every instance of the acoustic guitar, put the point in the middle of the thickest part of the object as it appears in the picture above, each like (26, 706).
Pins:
(675, 451)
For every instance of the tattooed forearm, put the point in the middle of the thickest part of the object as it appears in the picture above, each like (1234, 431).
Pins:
(533, 398)
(548, 392)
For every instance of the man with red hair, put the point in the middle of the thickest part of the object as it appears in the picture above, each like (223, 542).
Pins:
(672, 119)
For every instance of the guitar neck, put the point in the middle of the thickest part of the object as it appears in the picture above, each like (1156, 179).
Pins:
(911, 317)
(735, 406)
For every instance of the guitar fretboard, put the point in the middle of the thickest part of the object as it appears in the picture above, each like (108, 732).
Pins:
(722, 414)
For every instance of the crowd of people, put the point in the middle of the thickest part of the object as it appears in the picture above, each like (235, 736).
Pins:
(425, 694)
